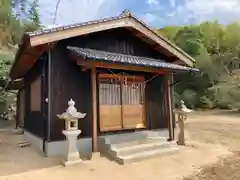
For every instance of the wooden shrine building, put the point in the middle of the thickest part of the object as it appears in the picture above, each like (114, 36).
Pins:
(117, 70)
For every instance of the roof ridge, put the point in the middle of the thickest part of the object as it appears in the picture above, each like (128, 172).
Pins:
(74, 25)
(125, 13)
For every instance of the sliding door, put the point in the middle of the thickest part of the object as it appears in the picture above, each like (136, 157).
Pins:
(121, 101)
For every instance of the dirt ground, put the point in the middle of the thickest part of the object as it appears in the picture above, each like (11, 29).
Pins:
(15, 160)
(212, 136)
(217, 128)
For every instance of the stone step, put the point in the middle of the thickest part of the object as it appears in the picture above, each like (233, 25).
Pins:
(138, 148)
(138, 142)
(122, 138)
(145, 155)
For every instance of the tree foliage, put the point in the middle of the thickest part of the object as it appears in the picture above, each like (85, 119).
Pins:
(33, 13)
(216, 49)
(16, 17)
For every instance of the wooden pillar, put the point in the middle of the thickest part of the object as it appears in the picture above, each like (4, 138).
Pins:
(169, 106)
(18, 109)
(94, 109)
(173, 106)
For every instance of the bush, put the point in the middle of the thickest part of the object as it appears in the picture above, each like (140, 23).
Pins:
(206, 103)
(189, 97)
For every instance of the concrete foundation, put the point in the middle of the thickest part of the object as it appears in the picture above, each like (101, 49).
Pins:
(84, 145)
(35, 141)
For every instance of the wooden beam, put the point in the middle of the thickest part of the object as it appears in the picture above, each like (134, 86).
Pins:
(77, 31)
(178, 62)
(136, 78)
(173, 49)
(110, 24)
(169, 106)
(120, 66)
(27, 60)
(126, 22)
(94, 109)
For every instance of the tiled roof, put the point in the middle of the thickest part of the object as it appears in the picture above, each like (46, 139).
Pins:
(124, 14)
(60, 28)
(127, 59)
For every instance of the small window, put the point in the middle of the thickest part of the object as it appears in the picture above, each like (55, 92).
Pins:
(36, 94)
(21, 107)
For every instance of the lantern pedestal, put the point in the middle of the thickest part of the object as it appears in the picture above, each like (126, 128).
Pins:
(72, 156)
(71, 132)
(181, 135)
(182, 117)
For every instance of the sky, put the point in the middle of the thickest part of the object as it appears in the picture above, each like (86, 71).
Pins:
(156, 13)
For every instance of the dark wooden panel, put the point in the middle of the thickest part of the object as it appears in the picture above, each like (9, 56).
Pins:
(36, 94)
(34, 123)
(34, 120)
(44, 95)
(68, 81)
(18, 109)
(116, 40)
(156, 104)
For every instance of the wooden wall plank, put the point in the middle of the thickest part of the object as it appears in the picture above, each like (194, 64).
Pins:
(34, 120)
(68, 81)
(156, 103)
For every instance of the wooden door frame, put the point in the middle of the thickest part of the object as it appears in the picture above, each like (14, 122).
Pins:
(121, 77)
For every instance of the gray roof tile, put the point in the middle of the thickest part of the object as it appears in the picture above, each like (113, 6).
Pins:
(124, 14)
(70, 26)
(127, 59)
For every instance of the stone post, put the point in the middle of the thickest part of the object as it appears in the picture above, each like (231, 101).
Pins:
(182, 117)
(71, 132)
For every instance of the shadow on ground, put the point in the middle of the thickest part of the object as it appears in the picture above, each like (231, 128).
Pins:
(14, 159)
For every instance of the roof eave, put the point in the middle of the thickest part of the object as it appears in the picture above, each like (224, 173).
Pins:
(164, 39)
(19, 52)
(119, 21)
(109, 57)
(34, 39)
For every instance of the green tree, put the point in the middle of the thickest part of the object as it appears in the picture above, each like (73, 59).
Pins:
(12, 27)
(33, 13)
(169, 32)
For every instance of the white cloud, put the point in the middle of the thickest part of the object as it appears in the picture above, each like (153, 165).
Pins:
(157, 12)
(172, 3)
(170, 14)
(149, 18)
(192, 11)
(223, 10)
(153, 3)
(72, 11)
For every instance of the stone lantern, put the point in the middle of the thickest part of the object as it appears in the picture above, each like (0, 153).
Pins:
(182, 117)
(71, 132)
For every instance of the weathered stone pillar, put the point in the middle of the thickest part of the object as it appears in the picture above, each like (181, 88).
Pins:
(71, 132)
(182, 117)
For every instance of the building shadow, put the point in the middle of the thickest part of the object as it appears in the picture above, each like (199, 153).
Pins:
(14, 159)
